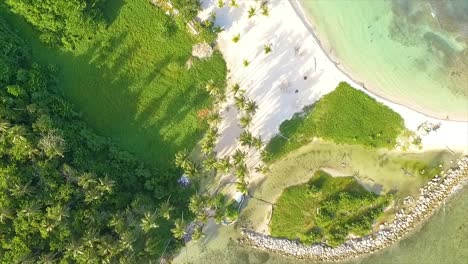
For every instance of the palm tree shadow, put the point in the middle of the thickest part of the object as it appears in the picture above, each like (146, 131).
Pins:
(111, 10)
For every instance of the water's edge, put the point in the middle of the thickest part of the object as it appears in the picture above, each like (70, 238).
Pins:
(307, 20)
(432, 196)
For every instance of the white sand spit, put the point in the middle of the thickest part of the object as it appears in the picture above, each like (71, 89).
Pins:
(296, 73)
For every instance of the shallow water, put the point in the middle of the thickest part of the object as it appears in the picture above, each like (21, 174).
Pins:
(442, 240)
(219, 247)
(414, 52)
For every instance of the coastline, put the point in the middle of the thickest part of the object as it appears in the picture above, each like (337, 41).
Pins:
(432, 196)
(321, 41)
(276, 82)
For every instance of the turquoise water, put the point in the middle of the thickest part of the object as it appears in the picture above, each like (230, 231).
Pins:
(414, 52)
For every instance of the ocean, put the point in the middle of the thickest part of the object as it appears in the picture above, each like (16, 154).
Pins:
(412, 52)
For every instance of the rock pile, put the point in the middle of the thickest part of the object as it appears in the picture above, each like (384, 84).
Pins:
(202, 50)
(432, 196)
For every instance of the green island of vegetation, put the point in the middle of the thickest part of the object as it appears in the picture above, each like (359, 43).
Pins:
(345, 116)
(326, 209)
(96, 97)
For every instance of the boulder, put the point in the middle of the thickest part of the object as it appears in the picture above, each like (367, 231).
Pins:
(202, 50)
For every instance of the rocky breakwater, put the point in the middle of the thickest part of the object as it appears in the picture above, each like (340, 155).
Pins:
(432, 196)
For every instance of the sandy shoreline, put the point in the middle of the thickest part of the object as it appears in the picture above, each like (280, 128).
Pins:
(308, 22)
(296, 73)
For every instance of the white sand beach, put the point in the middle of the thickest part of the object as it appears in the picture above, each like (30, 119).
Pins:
(296, 73)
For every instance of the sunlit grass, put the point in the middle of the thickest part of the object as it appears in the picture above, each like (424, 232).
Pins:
(326, 209)
(133, 85)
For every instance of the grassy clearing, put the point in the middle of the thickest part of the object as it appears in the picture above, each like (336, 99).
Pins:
(132, 84)
(345, 116)
(326, 209)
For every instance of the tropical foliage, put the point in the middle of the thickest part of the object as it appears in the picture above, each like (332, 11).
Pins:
(345, 116)
(326, 209)
(69, 23)
(66, 193)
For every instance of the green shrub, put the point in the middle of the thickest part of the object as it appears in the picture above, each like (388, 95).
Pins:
(345, 116)
(326, 209)
(62, 22)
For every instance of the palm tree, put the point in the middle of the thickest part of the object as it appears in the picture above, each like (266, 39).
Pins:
(211, 88)
(191, 169)
(201, 218)
(220, 3)
(235, 88)
(17, 134)
(233, 3)
(179, 229)
(30, 210)
(241, 171)
(90, 237)
(245, 121)
(26, 259)
(213, 132)
(48, 225)
(52, 145)
(117, 221)
(148, 221)
(251, 107)
(4, 126)
(224, 165)
(252, 11)
(57, 213)
(207, 145)
(88, 256)
(106, 184)
(20, 190)
(127, 239)
(74, 249)
(257, 142)
(246, 138)
(209, 163)
(265, 10)
(92, 195)
(242, 187)
(197, 233)
(87, 180)
(181, 159)
(214, 119)
(236, 38)
(246, 62)
(196, 204)
(5, 213)
(106, 248)
(239, 157)
(267, 48)
(165, 209)
(48, 258)
(240, 101)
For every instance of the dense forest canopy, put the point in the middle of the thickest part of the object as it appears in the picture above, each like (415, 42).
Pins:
(69, 23)
(65, 192)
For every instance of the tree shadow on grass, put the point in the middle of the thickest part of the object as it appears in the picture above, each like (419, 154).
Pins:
(111, 10)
